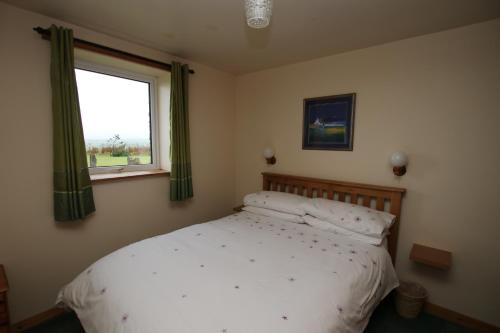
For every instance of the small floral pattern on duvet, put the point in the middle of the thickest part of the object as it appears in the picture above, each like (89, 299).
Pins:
(240, 274)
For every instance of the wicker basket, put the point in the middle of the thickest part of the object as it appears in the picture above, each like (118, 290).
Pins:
(410, 298)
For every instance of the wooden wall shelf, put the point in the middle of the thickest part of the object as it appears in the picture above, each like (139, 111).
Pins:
(431, 256)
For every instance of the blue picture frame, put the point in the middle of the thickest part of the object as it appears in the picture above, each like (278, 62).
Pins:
(329, 122)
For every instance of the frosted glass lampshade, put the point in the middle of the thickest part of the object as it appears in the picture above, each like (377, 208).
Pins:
(268, 153)
(258, 13)
(399, 159)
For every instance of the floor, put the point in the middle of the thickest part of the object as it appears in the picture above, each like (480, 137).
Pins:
(384, 320)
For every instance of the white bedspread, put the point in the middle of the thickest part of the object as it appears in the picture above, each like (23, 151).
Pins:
(244, 273)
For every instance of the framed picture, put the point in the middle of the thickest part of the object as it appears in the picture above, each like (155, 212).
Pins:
(329, 122)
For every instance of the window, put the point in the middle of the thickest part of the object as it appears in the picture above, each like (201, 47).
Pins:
(119, 118)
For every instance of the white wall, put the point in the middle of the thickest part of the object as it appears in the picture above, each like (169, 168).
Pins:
(434, 97)
(40, 256)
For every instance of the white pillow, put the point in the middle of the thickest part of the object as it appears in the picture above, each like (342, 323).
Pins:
(280, 201)
(356, 218)
(274, 213)
(327, 226)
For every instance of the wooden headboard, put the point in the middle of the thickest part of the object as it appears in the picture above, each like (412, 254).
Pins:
(381, 198)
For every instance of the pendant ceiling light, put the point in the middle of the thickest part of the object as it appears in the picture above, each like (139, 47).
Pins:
(258, 13)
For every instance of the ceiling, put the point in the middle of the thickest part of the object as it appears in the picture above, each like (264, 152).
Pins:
(214, 32)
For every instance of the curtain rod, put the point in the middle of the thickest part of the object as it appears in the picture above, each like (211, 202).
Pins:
(89, 46)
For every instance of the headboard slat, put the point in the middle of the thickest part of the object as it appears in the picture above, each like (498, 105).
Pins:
(307, 186)
(380, 203)
(354, 198)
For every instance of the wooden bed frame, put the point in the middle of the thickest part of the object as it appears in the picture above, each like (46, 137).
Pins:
(381, 198)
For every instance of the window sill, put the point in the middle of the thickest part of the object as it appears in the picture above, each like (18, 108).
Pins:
(108, 177)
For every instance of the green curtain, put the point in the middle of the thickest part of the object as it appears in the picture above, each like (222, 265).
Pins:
(73, 198)
(181, 184)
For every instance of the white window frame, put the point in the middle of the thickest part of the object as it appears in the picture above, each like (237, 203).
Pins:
(153, 114)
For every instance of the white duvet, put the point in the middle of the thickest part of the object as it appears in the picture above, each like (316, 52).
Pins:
(244, 273)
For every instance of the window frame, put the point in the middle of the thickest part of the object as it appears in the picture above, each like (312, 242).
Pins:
(153, 114)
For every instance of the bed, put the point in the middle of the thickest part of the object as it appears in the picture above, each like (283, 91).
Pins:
(244, 273)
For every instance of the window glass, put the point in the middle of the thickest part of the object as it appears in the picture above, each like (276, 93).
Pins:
(116, 118)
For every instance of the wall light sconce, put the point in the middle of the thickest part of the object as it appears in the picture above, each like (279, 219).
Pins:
(269, 155)
(399, 160)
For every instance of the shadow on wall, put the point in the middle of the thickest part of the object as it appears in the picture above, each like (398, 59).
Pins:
(74, 225)
(430, 273)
